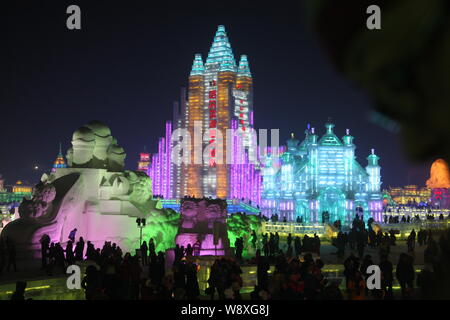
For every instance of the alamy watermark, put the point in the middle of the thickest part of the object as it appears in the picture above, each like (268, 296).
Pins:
(198, 146)
(74, 280)
(373, 22)
(73, 21)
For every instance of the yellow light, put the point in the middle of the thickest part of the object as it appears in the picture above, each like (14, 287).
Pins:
(31, 288)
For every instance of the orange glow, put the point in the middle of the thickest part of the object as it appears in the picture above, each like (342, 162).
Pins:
(192, 172)
(439, 175)
(22, 189)
(225, 81)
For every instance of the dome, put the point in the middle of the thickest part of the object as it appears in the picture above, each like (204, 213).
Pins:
(99, 128)
(292, 143)
(83, 133)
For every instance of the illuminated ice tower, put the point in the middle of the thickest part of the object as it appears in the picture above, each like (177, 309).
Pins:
(374, 184)
(321, 175)
(144, 161)
(219, 91)
(59, 162)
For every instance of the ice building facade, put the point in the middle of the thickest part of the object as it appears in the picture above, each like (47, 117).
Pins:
(320, 174)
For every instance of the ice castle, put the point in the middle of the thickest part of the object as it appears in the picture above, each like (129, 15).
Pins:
(305, 179)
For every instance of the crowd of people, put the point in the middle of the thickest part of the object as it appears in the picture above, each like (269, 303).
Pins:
(358, 238)
(7, 255)
(295, 278)
(298, 277)
(294, 245)
(296, 273)
(412, 219)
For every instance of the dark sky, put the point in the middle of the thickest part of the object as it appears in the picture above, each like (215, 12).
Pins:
(127, 64)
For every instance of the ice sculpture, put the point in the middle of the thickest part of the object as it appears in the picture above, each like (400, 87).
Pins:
(321, 174)
(203, 225)
(439, 175)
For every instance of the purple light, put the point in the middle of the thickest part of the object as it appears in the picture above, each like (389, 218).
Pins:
(160, 170)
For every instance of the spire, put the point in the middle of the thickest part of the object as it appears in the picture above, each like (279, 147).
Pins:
(221, 50)
(329, 138)
(348, 139)
(197, 66)
(372, 159)
(59, 162)
(329, 126)
(244, 69)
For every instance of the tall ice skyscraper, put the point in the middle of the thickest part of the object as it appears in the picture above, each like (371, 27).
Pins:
(219, 94)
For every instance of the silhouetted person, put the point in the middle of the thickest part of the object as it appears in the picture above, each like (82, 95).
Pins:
(91, 283)
(254, 239)
(11, 249)
(90, 252)
(72, 235)
(45, 243)
(189, 250)
(18, 295)
(297, 245)
(79, 249)
(2, 254)
(151, 247)
(192, 289)
(239, 245)
(426, 282)
(59, 257)
(361, 239)
(405, 274)
(316, 246)
(387, 276)
(144, 252)
(289, 240)
(177, 254)
(261, 270)
(161, 265)
(70, 257)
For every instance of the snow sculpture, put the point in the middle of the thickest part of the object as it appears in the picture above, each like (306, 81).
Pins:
(95, 195)
(94, 147)
(43, 196)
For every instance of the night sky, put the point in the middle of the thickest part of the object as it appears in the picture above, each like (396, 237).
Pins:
(127, 64)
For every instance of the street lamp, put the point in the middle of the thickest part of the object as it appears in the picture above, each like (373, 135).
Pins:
(140, 223)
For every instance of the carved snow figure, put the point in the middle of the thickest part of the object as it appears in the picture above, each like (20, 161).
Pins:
(43, 196)
(116, 157)
(93, 146)
(83, 144)
(204, 221)
(95, 195)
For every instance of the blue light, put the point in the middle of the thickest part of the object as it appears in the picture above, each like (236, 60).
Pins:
(322, 176)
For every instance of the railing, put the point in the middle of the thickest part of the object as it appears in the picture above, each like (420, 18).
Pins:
(406, 228)
(293, 228)
(234, 205)
(413, 211)
(249, 207)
